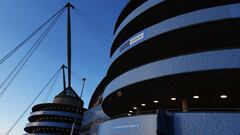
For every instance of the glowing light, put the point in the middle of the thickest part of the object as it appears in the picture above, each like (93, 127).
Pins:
(143, 104)
(173, 99)
(155, 101)
(223, 96)
(135, 108)
(196, 97)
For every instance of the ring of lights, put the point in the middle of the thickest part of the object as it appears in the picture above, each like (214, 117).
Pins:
(55, 113)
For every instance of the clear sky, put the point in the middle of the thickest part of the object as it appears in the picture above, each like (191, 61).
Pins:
(19, 18)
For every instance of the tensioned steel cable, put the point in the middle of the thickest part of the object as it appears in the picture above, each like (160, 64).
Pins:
(79, 77)
(29, 37)
(102, 29)
(101, 45)
(99, 34)
(51, 88)
(29, 106)
(99, 29)
(78, 107)
(27, 56)
(95, 33)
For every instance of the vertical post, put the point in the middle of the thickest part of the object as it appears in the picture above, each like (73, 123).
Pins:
(184, 104)
(69, 51)
(64, 79)
(84, 80)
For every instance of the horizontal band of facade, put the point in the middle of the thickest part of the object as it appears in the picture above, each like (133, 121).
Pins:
(212, 60)
(56, 107)
(160, 12)
(178, 124)
(128, 9)
(40, 134)
(142, 8)
(55, 113)
(129, 125)
(181, 21)
(50, 124)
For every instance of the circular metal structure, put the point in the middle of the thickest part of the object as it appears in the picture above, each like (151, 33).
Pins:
(57, 117)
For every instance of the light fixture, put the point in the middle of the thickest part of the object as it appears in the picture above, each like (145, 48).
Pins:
(129, 114)
(130, 111)
(223, 96)
(155, 101)
(173, 99)
(143, 104)
(135, 108)
(196, 97)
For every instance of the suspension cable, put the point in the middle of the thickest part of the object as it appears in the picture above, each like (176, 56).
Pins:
(78, 108)
(94, 32)
(51, 88)
(100, 43)
(26, 57)
(99, 34)
(79, 77)
(97, 29)
(29, 37)
(29, 106)
(102, 29)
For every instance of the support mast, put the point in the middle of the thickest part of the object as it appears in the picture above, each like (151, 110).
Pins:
(69, 48)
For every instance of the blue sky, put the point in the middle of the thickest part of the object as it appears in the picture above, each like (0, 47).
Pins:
(18, 19)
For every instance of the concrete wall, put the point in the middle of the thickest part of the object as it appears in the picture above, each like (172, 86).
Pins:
(207, 123)
(183, 124)
(136, 125)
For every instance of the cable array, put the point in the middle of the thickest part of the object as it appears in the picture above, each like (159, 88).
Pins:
(16, 70)
(30, 105)
(99, 32)
(48, 93)
(29, 37)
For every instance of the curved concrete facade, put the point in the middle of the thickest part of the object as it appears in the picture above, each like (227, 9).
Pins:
(179, 60)
(148, 4)
(197, 14)
(201, 123)
(137, 125)
(212, 60)
(181, 21)
(206, 123)
(138, 35)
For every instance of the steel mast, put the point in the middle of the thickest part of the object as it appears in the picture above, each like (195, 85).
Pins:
(69, 42)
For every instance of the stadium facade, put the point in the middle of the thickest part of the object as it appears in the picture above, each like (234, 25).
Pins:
(174, 70)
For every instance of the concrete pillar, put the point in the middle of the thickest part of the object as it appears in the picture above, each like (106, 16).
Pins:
(138, 111)
(184, 104)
